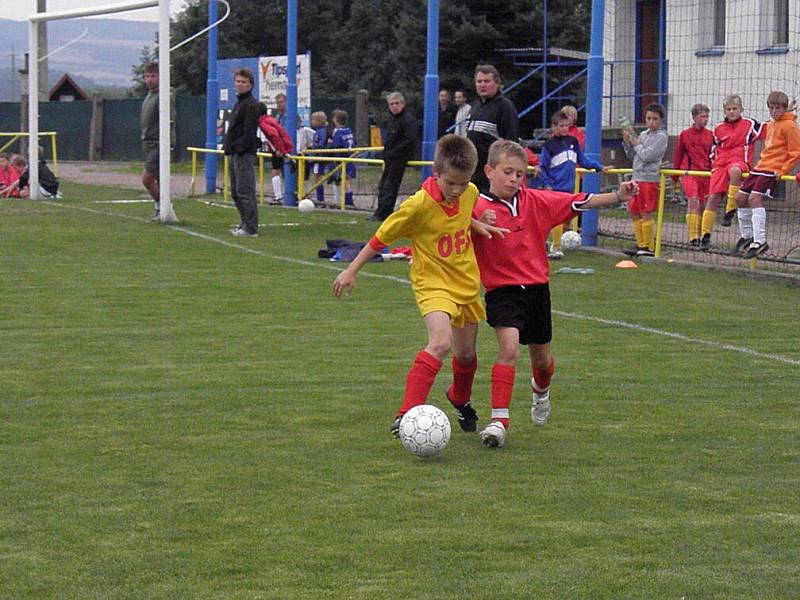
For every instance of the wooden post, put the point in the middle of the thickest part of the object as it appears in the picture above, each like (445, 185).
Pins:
(96, 128)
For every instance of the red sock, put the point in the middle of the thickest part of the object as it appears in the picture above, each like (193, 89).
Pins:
(419, 381)
(502, 386)
(460, 390)
(543, 376)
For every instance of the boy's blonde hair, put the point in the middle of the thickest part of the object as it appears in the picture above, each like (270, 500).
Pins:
(320, 116)
(570, 111)
(699, 109)
(455, 152)
(502, 148)
(735, 99)
(779, 98)
(339, 117)
(18, 161)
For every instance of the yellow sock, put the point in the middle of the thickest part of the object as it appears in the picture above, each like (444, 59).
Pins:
(557, 232)
(693, 222)
(709, 216)
(731, 204)
(637, 231)
(648, 227)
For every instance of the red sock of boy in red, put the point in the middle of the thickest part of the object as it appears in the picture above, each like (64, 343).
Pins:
(419, 381)
(502, 386)
(543, 376)
(460, 391)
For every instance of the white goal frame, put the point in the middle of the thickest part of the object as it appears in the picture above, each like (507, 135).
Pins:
(166, 212)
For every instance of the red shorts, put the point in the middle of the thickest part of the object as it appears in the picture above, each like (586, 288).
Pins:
(695, 186)
(759, 182)
(646, 200)
(720, 179)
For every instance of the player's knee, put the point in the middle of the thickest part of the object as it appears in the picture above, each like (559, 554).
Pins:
(439, 347)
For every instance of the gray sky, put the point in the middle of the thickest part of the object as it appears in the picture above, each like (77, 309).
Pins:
(20, 10)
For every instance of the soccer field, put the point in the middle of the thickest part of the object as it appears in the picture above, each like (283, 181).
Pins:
(189, 415)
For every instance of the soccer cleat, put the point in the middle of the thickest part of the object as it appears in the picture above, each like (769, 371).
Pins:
(741, 245)
(756, 249)
(494, 436)
(467, 417)
(555, 254)
(540, 407)
(395, 428)
(705, 243)
(244, 233)
(634, 251)
(235, 227)
(728, 218)
(645, 252)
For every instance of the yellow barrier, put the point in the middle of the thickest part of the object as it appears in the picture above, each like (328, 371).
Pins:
(15, 135)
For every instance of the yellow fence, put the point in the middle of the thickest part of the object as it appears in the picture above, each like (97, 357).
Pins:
(15, 135)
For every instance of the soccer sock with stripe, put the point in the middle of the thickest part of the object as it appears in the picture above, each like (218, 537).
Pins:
(759, 224)
(502, 387)
(745, 222)
(693, 222)
(709, 216)
(648, 227)
(731, 203)
(637, 232)
(542, 377)
(460, 391)
(419, 381)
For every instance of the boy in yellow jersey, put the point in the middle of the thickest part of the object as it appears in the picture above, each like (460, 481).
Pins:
(444, 274)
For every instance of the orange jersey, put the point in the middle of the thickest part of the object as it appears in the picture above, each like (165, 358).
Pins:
(443, 264)
(781, 150)
(734, 141)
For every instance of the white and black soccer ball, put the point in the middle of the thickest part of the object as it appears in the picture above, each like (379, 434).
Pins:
(571, 240)
(425, 430)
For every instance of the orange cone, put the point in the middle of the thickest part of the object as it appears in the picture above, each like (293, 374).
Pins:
(626, 264)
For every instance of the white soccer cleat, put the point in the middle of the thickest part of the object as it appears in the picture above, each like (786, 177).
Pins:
(494, 436)
(540, 408)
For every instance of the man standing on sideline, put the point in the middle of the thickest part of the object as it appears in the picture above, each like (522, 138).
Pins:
(399, 148)
(241, 145)
(493, 117)
(447, 113)
(462, 116)
(149, 126)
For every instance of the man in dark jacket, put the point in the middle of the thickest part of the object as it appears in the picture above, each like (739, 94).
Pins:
(398, 149)
(241, 145)
(447, 113)
(493, 117)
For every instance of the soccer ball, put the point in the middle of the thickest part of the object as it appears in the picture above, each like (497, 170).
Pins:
(305, 205)
(571, 240)
(425, 430)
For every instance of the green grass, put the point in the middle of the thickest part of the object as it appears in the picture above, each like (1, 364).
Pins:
(186, 419)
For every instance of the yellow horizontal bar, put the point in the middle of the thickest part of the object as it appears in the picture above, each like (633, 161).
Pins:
(340, 150)
(25, 133)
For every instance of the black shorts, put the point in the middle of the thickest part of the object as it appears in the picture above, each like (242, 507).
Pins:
(526, 308)
(277, 162)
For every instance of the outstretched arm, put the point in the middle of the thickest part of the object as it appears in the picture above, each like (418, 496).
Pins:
(345, 280)
(626, 191)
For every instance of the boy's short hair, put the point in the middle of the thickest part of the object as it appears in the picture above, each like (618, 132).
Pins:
(18, 161)
(502, 148)
(280, 95)
(455, 152)
(320, 116)
(570, 111)
(262, 109)
(491, 70)
(779, 98)
(339, 116)
(4, 155)
(655, 107)
(558, 116)
(735, 99)
(150, 67)
(243, 72)
(699, 109)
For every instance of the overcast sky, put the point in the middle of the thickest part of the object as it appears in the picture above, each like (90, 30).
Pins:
(20, 10)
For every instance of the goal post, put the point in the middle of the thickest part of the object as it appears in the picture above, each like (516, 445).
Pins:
(166, 213)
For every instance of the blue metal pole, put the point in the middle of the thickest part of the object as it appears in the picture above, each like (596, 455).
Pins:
(289, 176)
(212, 101)
(545, 58)
(594, 108)
(430, 124)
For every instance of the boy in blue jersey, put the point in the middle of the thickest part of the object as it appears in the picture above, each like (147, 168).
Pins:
(319, 123)
(342, 137)
(561, 154)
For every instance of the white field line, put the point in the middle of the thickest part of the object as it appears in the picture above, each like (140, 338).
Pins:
(307, 263)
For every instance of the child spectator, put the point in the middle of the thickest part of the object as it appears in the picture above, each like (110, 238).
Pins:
(561, 154)
(319, 123)
(572, 114)
(8, 174)
(646, 152)
(48, 182)
(780, 154)
(514, 273)
(342, 137)
(444, 274)
(692, 153)
(731, 154)
(279, 144)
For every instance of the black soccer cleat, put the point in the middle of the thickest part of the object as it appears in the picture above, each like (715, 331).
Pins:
(395, 428)
(756, 249)
(727, 219)
(467, 417)
(741, 245)
(705, 243)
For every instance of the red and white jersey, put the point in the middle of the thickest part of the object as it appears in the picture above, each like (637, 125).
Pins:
(520, 258)
(734, 141)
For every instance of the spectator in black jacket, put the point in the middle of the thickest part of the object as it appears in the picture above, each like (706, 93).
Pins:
(447, 113)
(241, 145)
(493, 117)
(398, 149)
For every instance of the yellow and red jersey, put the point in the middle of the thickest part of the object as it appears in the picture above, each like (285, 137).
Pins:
(781, 150)
(443, 263)
(734, 141)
